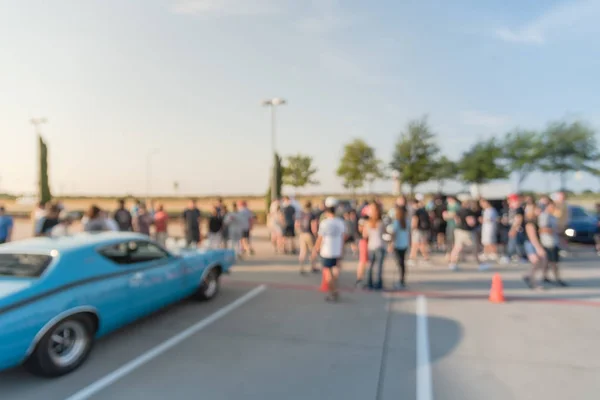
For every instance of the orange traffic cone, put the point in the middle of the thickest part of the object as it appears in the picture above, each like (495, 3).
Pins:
(324, 287)
(497, 290)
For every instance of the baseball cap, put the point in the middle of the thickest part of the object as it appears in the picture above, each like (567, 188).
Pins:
(419, 197)
(513, 197)
(331, 202)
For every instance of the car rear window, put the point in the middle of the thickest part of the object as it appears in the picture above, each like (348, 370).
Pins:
(24, 265)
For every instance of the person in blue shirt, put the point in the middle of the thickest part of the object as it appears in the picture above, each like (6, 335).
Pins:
(6, 226)
(400, 231)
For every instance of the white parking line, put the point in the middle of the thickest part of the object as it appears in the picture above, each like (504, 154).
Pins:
(119, 373)
(424, 386)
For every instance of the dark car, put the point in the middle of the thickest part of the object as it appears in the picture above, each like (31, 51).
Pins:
(581, 226)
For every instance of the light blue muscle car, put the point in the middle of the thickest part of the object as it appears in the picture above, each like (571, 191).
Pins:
(57, 295)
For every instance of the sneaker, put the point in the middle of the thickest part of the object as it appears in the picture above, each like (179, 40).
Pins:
(527, 281)
(484, 267)
(492, 257)
(563, 253)
(561, 283)
(453, 267)
(504, 260)
(410, 263)
(483, 256)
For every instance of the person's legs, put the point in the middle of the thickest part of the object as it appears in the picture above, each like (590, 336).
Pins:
(424, 245)
(363, 259)
(306, 244)
(401, 260)
(380, 254)
(537, 264)
(416, 243)
(372, 257)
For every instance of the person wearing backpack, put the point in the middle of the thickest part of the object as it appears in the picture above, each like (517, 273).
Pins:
(420, 230)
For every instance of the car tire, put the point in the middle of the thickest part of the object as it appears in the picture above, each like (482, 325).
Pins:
(63, 348)
(209, 288)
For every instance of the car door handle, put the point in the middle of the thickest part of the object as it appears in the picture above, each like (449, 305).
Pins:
(137, 278)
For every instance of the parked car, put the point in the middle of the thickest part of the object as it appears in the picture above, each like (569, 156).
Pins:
(57, 295)
(582, 225)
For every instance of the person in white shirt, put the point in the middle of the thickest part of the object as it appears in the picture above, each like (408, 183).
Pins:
(330, 246)
(62, 229)
(489, 230)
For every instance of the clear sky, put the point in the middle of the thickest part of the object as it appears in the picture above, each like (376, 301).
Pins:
(117, 79)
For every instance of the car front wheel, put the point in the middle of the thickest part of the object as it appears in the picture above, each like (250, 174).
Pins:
(63, 348)
(209, 288)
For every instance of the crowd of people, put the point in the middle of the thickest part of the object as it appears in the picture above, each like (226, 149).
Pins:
(520, 230)
(226, 228)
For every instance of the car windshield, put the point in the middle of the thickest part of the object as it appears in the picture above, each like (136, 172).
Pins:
(578, 212)
(23, 265)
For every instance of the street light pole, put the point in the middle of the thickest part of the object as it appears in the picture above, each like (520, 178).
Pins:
(273, 103)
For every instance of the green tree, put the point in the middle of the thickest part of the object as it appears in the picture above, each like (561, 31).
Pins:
(44, 193)
(481, 163)
(445, 170)
(375, 171)
(358, 164)
(414, 153)
(523, 152)
(569, 147)
(278, 168)
(298, 171)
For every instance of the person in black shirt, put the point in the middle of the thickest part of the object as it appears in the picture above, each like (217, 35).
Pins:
(49, 221)
(289, 218)
(421, 229)
(466, 222)
(439, 224)
(123, 217)
(191, 219)
(215, 227)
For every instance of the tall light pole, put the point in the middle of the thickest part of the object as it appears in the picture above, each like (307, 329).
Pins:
(273, 103)
(149, 171)
(37, 123)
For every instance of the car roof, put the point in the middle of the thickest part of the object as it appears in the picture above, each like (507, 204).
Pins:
(64, 244)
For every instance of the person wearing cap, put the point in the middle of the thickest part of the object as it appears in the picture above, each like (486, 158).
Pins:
(330, 246)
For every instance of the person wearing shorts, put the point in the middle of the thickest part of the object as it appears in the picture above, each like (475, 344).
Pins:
(289, 218)
(548, 225)
(330, 246)
(421, 229)
(363, 248)
(489, 230)
(536, 254)
(308, 227)
(463, 235)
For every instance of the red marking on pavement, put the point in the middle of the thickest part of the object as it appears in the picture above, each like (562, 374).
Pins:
(411, 294)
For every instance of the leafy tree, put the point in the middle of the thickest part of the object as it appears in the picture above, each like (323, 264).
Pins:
(375, 171)
(445, 170)
(278, 170)
(44, 193)
(414, 154)
(523, 152)
(481, 163)
(299, 171)
(358, 164)
(568, 148)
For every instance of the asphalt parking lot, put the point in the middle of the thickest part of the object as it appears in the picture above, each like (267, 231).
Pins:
(269, 335)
